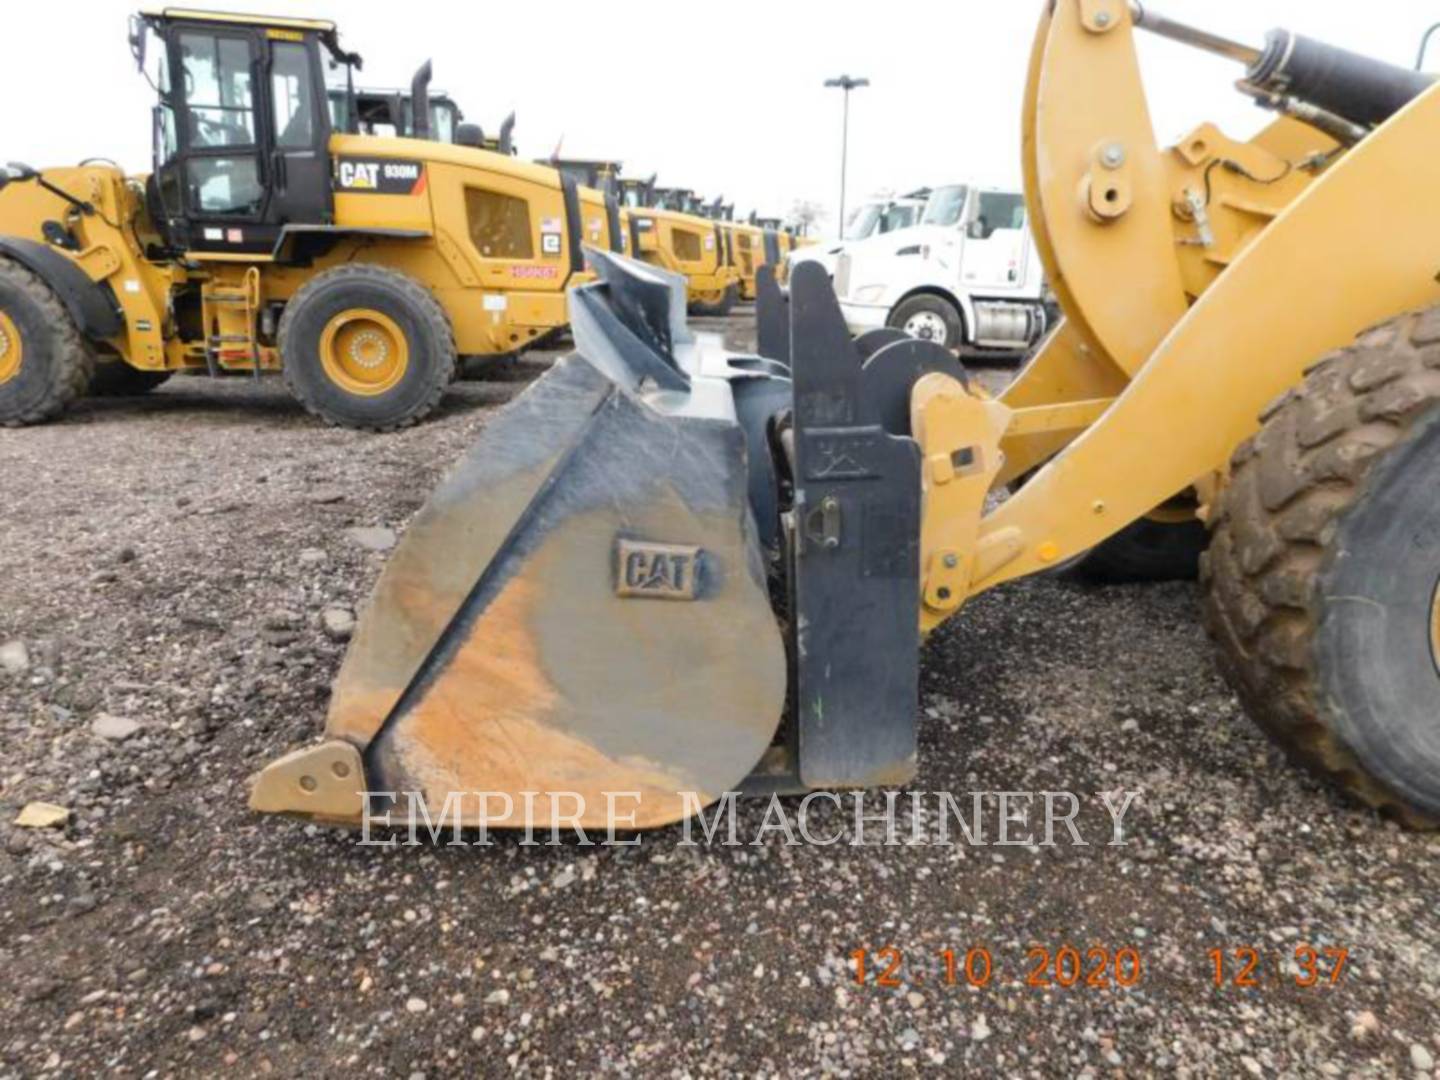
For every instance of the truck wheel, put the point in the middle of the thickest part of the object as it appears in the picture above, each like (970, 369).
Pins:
(367, 347)
(115, 378)
(1322, 582)
(930, 318)
(44, 363)
(1163, 547)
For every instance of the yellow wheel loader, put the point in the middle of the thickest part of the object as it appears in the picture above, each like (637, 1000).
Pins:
(266, 240)
(684, 572)
(661, 234)
(745, 247)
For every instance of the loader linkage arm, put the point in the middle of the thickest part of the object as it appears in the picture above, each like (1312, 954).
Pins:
(1180, 271)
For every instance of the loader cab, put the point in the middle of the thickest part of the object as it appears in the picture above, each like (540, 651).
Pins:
(241, 128)
(392, 113)
(636, 194)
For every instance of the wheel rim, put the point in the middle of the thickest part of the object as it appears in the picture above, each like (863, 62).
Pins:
(364, 351)
(927, 326)
(1435, 627)
(12, 352)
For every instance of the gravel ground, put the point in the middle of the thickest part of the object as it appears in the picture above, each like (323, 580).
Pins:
(168, 565)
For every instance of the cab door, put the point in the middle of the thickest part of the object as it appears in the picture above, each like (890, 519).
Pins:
(995, 251)
(300, 125)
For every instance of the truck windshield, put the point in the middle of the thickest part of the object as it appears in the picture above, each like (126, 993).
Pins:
(899, 217)
(946, 206)
(863, 220)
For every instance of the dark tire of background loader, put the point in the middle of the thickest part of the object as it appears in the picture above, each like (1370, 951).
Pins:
(721, 308)
(115, 378)
(1322, 581)
(1147, 551)
(383, 303)
(45, 364)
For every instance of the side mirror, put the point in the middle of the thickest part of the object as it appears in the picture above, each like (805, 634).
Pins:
(976, 230)
(470, 135)
(137, 42)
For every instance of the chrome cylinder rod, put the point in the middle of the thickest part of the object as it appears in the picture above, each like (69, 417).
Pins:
(1164, 27)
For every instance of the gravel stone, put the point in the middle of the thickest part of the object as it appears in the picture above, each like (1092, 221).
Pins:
(113, 728)
(14, 657)
(42, 815)
(373, 538)
(338, 623)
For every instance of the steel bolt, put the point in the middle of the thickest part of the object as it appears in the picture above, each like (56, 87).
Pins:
(1102, 18)
(951, 562)
(943, 593)
(1113, 156)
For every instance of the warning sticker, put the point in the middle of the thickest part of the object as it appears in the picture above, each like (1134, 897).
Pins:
(535, 271)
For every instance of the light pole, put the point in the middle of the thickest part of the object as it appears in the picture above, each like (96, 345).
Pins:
(1425, 46)
(846, 83)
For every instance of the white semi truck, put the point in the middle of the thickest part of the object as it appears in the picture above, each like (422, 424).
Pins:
(968, 276)
(873, 217)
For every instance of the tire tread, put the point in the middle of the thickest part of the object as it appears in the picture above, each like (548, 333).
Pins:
(1290, 487)
(73, 362)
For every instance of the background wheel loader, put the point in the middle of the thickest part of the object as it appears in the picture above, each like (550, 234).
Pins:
(745, 246)
(663, 234)
(360, 268)
(687, 572)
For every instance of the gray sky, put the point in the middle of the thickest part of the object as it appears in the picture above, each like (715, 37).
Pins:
(725, 98)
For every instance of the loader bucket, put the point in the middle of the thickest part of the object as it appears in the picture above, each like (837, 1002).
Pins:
(584, 624)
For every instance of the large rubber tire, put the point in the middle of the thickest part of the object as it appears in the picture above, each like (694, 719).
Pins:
(944, 324)
(1323, 574)
(115, 378)
(1147, 551)
(54, 362)
(722, 307)
(421, 321)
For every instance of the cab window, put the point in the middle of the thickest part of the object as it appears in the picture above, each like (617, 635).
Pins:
(220, 116)
(687, 245)
(292, 91)
(442, 122)
(499, 225)
(999, 210)
(946, 206)
(219, 97)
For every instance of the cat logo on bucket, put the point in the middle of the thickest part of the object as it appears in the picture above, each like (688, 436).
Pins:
(657, 571)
